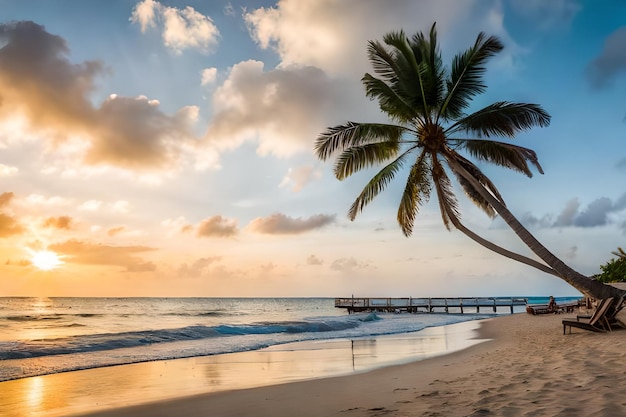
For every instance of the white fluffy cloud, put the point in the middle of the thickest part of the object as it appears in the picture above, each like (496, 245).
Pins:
(132, 133)
(208, 76)
(180, 28)
(283, 109)
(330, 34)
(298, 178)
(7, 170)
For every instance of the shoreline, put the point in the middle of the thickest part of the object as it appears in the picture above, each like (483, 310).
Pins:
(112, 387)
(526, 366)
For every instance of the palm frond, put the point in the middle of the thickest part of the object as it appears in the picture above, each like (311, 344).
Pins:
(376, 185)
(502, 119)
(357, 158)
(502, 154)
(388, 99)
(411, 71)
(474, 195)
(466, 75)
(619, 253)
(383, 62)
(434, 72)
(448, 204)
(416, 193)
(341, 137)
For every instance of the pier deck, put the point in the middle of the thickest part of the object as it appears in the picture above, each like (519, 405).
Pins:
(427, 305)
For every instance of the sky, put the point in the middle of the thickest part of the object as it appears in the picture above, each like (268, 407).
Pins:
(165, 148)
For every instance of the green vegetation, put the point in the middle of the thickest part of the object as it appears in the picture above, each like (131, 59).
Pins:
(615, 269)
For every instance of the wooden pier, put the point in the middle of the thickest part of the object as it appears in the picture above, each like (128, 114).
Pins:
(427, 305)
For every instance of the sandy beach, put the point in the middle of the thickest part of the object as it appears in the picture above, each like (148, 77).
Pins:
(527, 367)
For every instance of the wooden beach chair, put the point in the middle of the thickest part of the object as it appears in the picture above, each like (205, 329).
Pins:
(598, 321)
(611, 315)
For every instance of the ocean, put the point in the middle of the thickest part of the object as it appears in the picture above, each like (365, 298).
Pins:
(40, 336)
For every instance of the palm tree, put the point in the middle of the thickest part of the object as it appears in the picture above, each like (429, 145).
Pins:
(619, 253)
(429, 129)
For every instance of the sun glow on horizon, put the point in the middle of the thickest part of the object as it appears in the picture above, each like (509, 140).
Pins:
(45, 260)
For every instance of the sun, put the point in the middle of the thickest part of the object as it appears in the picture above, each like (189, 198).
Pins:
(45, 260)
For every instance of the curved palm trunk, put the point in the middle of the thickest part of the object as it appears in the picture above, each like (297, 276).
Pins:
(582, 283)
(500, 250)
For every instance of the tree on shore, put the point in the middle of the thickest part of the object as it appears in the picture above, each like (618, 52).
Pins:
(615, 269)
(429, 130)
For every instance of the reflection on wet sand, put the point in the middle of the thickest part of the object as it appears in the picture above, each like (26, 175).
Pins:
(83, 391)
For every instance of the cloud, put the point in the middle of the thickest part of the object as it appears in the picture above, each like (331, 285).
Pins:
(180, 28)
(229, 10)
(283, 110)
(127, 132)
(348, 265)
(611, 62)
(208, 76)
(280, 224)
(114, 231)
(567, 216)
(34, 72)
(9, 226)
(40, 200)
(322, 52)
(320, 34)
(313, 260)
(597, 212)
(61, 222)
(5, 198)
(8, 171)
(145, 13)
(330, 34)
(198, 267)
(217, 226)
(120, 206)
(620, 203)
(267, 268)
(532, 221)
(177, 225)
(547, 14)
(571, 252)
(91, 205)
(300, 177)
(81, 252)
(133, 133)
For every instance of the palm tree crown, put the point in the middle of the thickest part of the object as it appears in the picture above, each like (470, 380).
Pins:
(426, 103)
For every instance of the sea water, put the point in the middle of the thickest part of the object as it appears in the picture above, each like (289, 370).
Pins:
(41, 336)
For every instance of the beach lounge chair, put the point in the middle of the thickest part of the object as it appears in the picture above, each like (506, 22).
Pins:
(598, 321)
(611, 315)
